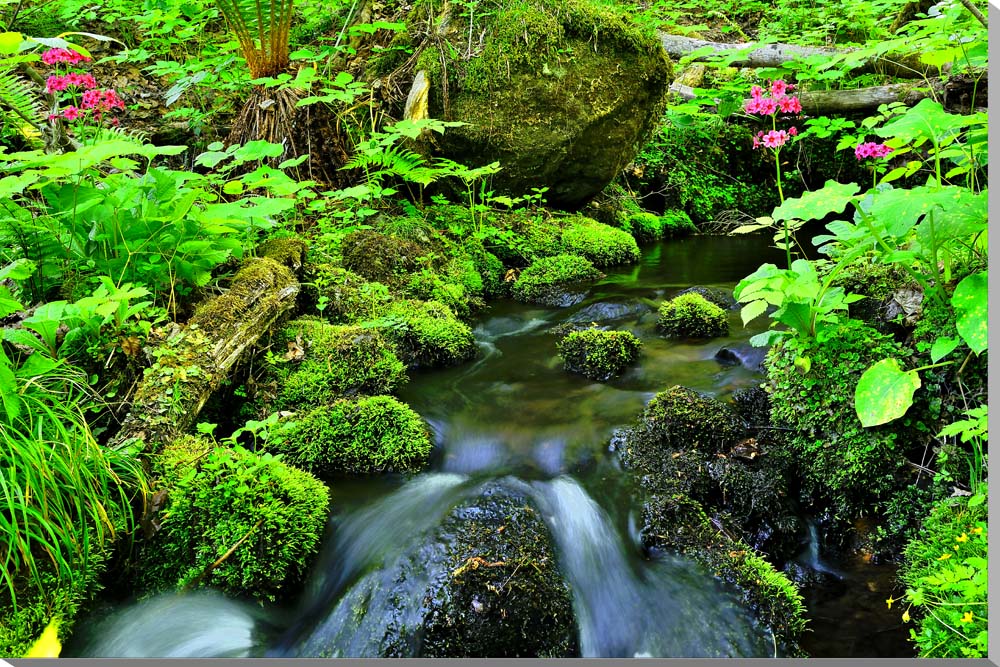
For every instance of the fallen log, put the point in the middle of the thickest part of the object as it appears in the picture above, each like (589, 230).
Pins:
(901, 66)
(195, 359)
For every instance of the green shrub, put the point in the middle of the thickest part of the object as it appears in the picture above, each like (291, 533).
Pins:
(945, 570)
(597, 354)
(427, 334)
(338, 360)
(359, 437)
(543, 280)
(675, 222)
(601, 244)
(256, 519)
(692, 315)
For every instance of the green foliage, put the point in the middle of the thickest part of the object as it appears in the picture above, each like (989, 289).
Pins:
(361, 436)
(597, 354)
(338, 360)
(601, 244)
(676, 222)
(692, 315)
(347, 297)
(386, 259)
(945, 571)
(262, 31)
(543, 279)
(426, 333)
(245, 523)
(884, 392)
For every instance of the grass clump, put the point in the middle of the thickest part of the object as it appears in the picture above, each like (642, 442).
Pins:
(335, 361)
(427, 334)
(597, 354)
(691, 315)
(359, 437)
(601, 244)
(242, 522)
(544, 280)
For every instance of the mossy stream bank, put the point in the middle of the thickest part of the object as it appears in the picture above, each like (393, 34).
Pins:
(521, 447)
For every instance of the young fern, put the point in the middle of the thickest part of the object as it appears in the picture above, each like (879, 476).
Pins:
(262, 29)
(20, 104)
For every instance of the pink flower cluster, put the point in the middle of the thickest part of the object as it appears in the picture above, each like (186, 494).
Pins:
(779, 101)
(100, 101)
(68, 56)
(871, 149)
(774, 138)
(72, 80)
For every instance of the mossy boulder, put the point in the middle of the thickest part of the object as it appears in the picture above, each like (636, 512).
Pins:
(360, 436)
(560, 93)
(344, 297)
(320, 362)
(555, 281)
(427, 334)
(676, 222)
(598, 354)
(379, 258)
(484, 583)
(722, 298)
(244, 523)
(692, 316)
(601, 244)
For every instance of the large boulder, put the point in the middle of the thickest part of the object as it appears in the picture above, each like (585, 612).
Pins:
(561, 93)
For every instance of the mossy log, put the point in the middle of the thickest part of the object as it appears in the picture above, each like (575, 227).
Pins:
(192, 362)
(774, 55)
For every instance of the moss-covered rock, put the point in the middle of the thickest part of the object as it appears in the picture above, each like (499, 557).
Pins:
(691, 315)
(358, 437)
(560, 93)
(342, 296)
(676, 222)
(597, 354)
(321, 362)
(601, 244)
(244, 523)
(722, 298)
(519, 237)
(555, 281)
(427, 334)
(379, 258)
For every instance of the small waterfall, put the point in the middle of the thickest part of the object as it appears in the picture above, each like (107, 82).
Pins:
(200, 624)
(810, 556)
(666, 608)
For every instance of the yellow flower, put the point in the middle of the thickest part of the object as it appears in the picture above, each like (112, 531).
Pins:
(944, 557)
(890, 601)
(906, 616)
(967, 617)
(978, 530)
(962, 538)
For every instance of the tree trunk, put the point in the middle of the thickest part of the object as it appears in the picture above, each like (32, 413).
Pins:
(192, 362)
(775, 55)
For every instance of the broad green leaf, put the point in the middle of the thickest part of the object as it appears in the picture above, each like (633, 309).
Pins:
(767, 338)
(10, 42)
(970, 304)
(884, 393)
(927, 120)
(942, 347)
(803, 365)
(19, 269)
(833, 197)
(796, 315)
(752, 311)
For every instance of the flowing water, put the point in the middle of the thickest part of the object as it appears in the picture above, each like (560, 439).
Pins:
(513, 413)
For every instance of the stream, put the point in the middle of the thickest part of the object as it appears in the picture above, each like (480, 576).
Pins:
(514, 414)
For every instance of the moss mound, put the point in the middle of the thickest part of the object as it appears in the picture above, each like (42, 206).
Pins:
(599, 355)
(427, 334)
(560, 93)
(601, 244)
(244, 523)
(342, 296)
(358, 437)
(691, 315)
(550, 281)
(379, 258)
(675, 222)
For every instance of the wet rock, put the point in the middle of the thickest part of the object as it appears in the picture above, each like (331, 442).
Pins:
(748, 356)
(720, 297)
(606, 311)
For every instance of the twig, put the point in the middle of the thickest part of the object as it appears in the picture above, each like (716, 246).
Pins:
(975, 12)
(221, 559)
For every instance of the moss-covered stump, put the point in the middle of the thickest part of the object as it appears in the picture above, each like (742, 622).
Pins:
(601, 244)
(320, 362)
(560, 93)
(358, 437)
(484, 583)
(597, 354)
(555, 281)
(692, 316)
(244, 523)
(427, 334)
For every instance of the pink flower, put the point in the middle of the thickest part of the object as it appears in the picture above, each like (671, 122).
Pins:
(790, 105)
(756, 92)
(53, 56)
(55, 83)
(792, 131)
(775, 139)
(871, 149)
(71, 113)
(77, 80)
(778, 88)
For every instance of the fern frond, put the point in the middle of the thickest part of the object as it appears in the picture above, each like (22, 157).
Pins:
(20, 98)
(393, 161)
(111, 133)
(262, 29)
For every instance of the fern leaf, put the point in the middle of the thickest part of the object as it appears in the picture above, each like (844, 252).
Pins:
(19, 98)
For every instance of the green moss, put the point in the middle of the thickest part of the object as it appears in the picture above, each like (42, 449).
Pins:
(691, 315)
(601, 244)
(597, 354)
(337, 361)
(544, 281)
(945, 570)
(644, 226)
(288, 251)
(681, 418)
(518, 237)
(428, 285)
(379, 258)
(345, 296)
(359, 437)
(675, 222)
(264, 517)
(427, 333)
(260, 280)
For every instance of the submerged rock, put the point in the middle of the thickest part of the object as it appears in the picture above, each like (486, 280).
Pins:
(747, 356)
